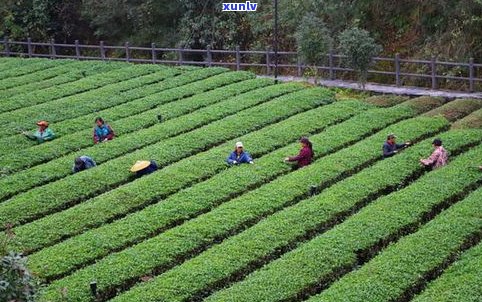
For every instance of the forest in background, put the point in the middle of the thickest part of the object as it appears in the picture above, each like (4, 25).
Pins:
(448, 29)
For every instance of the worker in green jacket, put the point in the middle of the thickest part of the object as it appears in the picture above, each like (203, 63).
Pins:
(43, 133)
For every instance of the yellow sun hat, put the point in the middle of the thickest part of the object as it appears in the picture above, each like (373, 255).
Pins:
(139, 165)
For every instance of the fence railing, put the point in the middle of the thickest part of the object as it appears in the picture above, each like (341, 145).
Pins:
(426, 73)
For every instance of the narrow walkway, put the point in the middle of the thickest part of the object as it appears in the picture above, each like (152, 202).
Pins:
(385, 89)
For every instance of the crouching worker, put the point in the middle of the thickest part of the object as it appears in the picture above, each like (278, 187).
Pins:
(305, 156)
(239, 156)
(43, 133)
(83, 163)
(438, 158)
(102, 131)
(144, 167)
(390, 147)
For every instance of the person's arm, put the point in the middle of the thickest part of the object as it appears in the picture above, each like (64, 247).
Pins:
(250, 159)
(304, 153)
(431, 160)
(246, 158)
(49, 134)
(111, 134)
(96, 138)
(231, 158)
(387, 152)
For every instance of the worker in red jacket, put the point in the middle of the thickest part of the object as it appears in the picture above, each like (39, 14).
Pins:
(305, 156)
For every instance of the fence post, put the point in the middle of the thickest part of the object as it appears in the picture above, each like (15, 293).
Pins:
(77, 50)
(6, 46)
(433, 67)
(128, 55)
(268, 62)
(102, 50)
(29, 47)
(397, 69)
(238, 58)
(153, 53)
(52, 49)
(471, 74)
(209, 55)
(330, 62)
(179, 56)
(299, 70)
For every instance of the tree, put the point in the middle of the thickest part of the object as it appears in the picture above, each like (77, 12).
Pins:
(205, 24)
(140, 22)
(359, 48)
(42, 20)
(313, 40)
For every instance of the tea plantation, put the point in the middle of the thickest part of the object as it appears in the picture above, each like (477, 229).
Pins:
(349, 227)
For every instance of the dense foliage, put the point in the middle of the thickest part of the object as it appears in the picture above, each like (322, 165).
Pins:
(446, 28)
(313, 39)
(16, 282)
(359, 49)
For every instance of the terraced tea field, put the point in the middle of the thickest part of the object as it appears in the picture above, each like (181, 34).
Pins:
(349, 227)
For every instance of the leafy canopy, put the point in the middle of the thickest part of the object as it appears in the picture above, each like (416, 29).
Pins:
(313, 39)
(359, 48)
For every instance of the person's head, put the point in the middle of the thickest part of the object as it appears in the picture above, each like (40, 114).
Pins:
(437, 142)
(391, 138)
(239, 147)
(42, 125)
(305, 142)
(79, 164)
(99, 121)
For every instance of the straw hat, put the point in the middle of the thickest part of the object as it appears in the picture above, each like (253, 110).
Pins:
(239, 145)
(43, 123)
(139, 165)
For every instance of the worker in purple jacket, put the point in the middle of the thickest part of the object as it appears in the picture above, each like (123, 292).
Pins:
(239, 156)
(305, 156)
(390, 146)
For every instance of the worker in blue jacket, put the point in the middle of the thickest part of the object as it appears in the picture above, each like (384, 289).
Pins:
(390, 147)
(82, 163)
(239, 156)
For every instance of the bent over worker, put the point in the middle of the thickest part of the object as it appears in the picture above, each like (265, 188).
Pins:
(82, 163)
(144, 167)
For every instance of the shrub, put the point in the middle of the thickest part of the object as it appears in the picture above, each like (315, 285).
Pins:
(386, 100)
(16, 282)
(473, 120)
(360, 49)
(313, 39)
(457, 109)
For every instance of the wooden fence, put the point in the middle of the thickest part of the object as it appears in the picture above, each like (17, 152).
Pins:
(428, 73)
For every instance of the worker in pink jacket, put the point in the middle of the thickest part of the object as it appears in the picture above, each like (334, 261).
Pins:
(438, 158)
